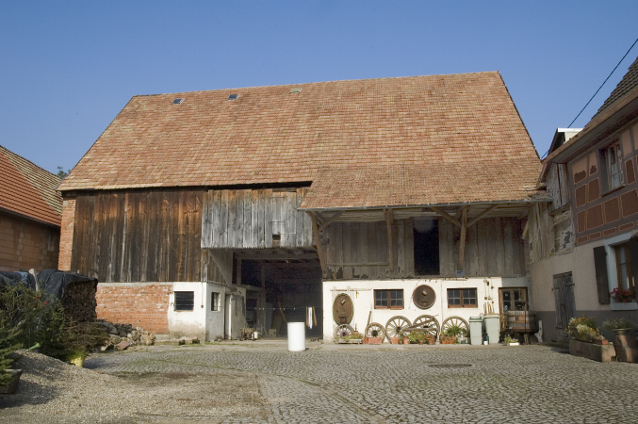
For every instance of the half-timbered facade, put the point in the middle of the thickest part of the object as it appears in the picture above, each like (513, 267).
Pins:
(583, 244)
(343, 203)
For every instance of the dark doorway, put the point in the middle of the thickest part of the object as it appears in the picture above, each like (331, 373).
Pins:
(426, 247)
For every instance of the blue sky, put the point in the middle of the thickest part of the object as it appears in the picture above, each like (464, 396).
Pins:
(67, 68)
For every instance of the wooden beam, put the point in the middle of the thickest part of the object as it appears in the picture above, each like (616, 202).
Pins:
(388, 222)
(447, 216)
(463, 236)
(330, 221)
(317, 236)
(481, 215)
(273, 256)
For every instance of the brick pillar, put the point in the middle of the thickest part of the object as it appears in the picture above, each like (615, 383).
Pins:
(66, 234)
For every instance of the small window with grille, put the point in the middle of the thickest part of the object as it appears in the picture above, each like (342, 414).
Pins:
(184, 300)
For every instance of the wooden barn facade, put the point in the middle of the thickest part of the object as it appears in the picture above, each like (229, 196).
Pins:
(341, 204)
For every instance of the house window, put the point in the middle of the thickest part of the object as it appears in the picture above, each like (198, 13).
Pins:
(461, 298)
(388, 299)
(215, 301)
(613, 166)
(426, 247)
(623, 267)
(184, 300)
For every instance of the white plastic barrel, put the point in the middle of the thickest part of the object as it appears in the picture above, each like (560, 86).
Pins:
(296, 336)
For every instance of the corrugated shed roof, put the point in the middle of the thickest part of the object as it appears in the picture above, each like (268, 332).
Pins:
(269, 135)
(628, 83)
(29, 190)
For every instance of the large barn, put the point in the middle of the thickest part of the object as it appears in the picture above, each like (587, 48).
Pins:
(348, 204)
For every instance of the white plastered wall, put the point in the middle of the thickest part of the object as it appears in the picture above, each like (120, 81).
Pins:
(362, 294)
(202, 322)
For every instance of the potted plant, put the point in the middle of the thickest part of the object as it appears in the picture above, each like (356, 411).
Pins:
(599, 339)
(78, 355)
(583, 328)
(430, 339)
(622, 296)
(509, 341)
(355, 337)
(620, 326)
(453, 332)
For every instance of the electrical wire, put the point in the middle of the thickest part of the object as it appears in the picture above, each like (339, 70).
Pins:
(601, 86)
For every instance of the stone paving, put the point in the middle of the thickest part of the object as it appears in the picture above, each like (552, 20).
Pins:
(407, 384)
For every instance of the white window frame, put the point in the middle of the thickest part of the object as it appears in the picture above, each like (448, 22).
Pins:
(610, 249)
(614, 170)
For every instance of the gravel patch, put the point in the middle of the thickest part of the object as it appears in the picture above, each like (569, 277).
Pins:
(52, 391)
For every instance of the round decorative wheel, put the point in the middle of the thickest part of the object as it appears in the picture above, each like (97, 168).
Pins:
(374, 329)
(428, 323)
(424, 297)
(396, 325)
(455, 321)
(343, 330)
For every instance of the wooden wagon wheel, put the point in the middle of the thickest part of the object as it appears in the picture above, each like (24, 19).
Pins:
(428, 323)
(395, 325)
(343, 330)
(458, 321)
(374, 329)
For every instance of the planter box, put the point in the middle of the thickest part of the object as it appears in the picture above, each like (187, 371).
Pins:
(355, 341)
(623, 306)
(372, 340)
(512, 344)
(13, 383)
(600, 353)
(600, 342)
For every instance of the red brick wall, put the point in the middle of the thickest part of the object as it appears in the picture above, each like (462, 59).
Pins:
(141, 304)
(66, 234)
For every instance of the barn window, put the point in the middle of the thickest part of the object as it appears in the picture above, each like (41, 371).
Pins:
(184, 300)
(461, 298)
(426, 247)
(215, 302)
(388, 299)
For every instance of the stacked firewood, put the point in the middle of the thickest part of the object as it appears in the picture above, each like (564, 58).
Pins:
(79, 301)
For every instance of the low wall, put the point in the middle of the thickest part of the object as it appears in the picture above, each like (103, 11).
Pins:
(600, 353)
(142, 304)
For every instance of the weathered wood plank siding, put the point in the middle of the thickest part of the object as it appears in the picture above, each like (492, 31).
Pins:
(359, 250)
(248, 219)
(151, 236)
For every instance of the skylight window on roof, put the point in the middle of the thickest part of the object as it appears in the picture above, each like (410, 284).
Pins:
(233, 97)
(178, 101)
(295, 90)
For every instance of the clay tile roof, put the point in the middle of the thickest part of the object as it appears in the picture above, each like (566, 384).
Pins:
(29, 190)
(624, 87)
(270, 135)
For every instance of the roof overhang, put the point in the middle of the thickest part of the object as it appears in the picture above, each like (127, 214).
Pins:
(600, 127)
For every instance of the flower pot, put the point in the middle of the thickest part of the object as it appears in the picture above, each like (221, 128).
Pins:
(600, 342)
(406, 340)
(12, 386)
(622, 331)
(78, 362)
(394, 340)
(373, 340)
(421, 342)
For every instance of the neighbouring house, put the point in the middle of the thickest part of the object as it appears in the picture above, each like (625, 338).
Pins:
(30, 214)
(583, 245)
(346, 204)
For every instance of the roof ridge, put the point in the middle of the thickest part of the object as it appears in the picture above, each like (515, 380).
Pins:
(320, 82)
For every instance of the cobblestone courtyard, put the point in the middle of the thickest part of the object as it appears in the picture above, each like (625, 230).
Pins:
(376, 384)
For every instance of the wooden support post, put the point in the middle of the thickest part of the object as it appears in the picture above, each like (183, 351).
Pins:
(388, 222)
(447, 216)
(330, 221)
(463, 235)
(315, 233)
